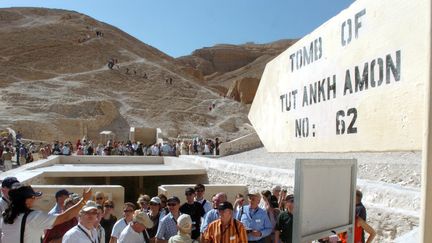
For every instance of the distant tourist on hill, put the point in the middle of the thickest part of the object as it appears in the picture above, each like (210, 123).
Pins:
(111, 63)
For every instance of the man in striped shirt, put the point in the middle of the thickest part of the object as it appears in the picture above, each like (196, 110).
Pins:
(226, 228)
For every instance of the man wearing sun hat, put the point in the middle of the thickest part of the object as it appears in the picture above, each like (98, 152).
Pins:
(84, 232)
(136, 231)
(255, 219)
(184, 226)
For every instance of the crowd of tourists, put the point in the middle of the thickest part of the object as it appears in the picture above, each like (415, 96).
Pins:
(15, 152)
(136, 148)
(262, 217)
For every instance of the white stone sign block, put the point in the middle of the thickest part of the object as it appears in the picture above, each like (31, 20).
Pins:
(354, 84)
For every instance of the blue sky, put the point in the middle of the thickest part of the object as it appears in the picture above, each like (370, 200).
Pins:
(178, 27)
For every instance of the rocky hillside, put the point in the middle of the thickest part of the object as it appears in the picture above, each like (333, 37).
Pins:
(55, 82)
(233, 70)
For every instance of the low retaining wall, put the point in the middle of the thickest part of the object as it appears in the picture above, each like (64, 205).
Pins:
(245, 143)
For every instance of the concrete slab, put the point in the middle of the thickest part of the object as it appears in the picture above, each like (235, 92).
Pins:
(103, 166)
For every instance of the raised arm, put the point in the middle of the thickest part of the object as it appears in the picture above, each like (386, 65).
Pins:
(74, 210)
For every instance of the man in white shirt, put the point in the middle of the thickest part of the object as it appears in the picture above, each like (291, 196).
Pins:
(128, 212)
(136, 231)
(99, 229)
(200, 190)
(85, 231)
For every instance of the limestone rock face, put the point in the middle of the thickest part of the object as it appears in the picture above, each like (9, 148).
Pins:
(227, 65)
(55, 83)
(244, 89)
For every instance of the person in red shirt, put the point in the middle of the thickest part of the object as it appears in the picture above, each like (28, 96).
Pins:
(359, 226)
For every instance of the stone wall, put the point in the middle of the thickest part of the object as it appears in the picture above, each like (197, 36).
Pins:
(247, 142)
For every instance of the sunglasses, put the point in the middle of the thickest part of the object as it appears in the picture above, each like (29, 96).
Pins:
(171, 204)
(99, 198)
(128, 210)
(109, 206)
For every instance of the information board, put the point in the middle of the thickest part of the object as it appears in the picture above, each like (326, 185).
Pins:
(324, 198)
(354, 84)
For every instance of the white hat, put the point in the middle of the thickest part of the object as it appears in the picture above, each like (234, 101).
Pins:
(184, 222)
(143, 218)
(155, 200)
(89, 206)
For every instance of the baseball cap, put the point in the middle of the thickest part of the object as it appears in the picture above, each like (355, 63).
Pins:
(155, 200)
(173, 199)
(9, 181)
(23, 192)
(144, 219)
(225, 205)
(62, 192)
(184, 222)
(89, 206)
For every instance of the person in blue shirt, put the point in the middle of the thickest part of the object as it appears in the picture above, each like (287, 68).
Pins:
(256, 220)
(213, 214)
